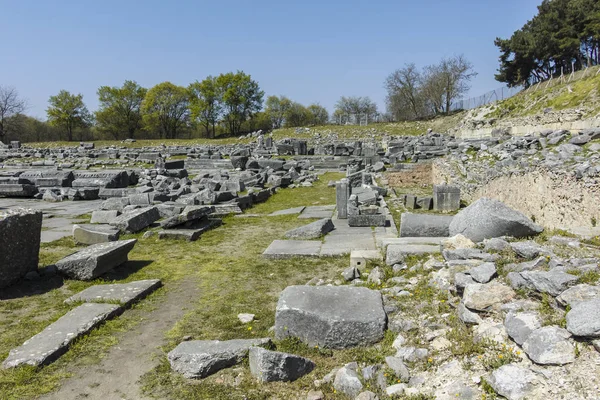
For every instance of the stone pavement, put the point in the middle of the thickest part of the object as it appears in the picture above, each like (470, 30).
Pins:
(342, 240)
(59, 217)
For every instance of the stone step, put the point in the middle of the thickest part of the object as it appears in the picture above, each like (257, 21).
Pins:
(52, 342)
(122, 293)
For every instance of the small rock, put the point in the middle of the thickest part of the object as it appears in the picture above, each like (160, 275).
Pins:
(512, 381)
(376, 276)
(520, 325)
(584, 319)
(397, 365)
(367, 396)
(272, 366)
(467, 316)
(483, 273)
(550, 345)
(395, 390)
(481, 297)
(351, 273)
(315, 395)
(347, 381)
(246, 318)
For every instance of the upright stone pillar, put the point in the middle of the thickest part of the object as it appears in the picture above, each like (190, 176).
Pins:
(342, 193)
(446, 197)
(20, 232)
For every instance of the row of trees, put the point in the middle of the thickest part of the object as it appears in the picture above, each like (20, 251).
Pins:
(565, 34)
(414, 94)
(229, 103)
(283, 112)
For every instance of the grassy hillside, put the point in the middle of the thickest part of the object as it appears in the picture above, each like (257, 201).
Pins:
(582, 92)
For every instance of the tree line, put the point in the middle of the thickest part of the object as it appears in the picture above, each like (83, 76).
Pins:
(562, 37)
(415, 94)
(228, 104)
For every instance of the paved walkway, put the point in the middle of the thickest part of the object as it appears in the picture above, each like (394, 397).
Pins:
(342, 240)
(58, 217)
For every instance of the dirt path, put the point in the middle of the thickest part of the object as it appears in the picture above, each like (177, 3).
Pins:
(116, 376)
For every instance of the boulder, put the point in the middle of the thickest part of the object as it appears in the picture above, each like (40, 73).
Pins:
(20, 233)
(201, 358)
(271, 366)
(104, 216)
(550, 345)
(330, 316)
(313, 230)
(584, 319)
(96, 259)
(489, 218)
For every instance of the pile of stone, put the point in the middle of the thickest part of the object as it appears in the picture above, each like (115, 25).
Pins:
(359, 201)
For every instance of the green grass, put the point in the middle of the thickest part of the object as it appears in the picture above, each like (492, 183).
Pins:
(580, 92)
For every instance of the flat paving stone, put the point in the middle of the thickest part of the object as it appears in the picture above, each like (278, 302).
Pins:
(317, 212)
(407, 241)
(293, 248)
(123, 293)
(52, 342)
(289, 211)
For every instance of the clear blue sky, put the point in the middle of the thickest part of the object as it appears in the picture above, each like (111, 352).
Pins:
(310, 51)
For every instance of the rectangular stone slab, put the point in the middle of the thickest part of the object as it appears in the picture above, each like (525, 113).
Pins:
(96, 259)
(93, 234)
(293, 248)
(317, 212)
(289, 211)
(123, 293)
(52, 342)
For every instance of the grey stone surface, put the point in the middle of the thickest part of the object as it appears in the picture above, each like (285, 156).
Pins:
(397, 253)
(366, 220)
(512, 381)
(201, 358)
(553, 282)
(20, 233)
(272, 366)
(122, 293)
(137, 220)
(467, 316)
(104, 216)
(584, 319)
(550, 345)
(446, 197)
(483, 273)
(488, 218)
(578, 294)
(96, 259)
(314, 230)
(52, 342)
(425, 225)
(288, 211)
(293, 248)
(317, 212)
(93, 234)
(496, 244)
(481, 297)
(347, 381)
(397, 365)
(342, 193)
(328, 316)
(520, 325)
(528, 249)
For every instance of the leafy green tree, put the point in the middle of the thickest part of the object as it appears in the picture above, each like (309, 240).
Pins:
(120, 109)
(206, 104)
(297, 115)
(241, 97)
(564, 35)
(165, 109)
(277, 107)
(404, 92)
(318, 114)
(68, 112)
